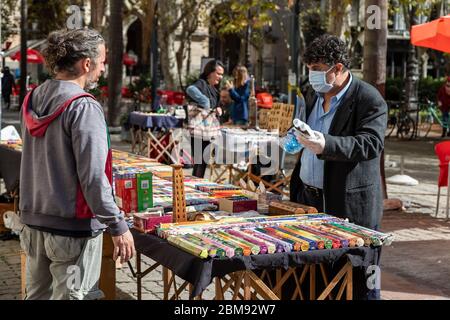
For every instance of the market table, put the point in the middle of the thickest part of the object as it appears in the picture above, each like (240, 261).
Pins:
(261, 276)
(10, 173)
(253, 147)
(10, 167)
(155, 133)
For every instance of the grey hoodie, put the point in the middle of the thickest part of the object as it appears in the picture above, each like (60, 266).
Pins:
(65, 175)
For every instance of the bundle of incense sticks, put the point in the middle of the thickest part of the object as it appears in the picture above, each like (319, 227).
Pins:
(280, 246)
(237, 250)
(353, 241)
(186, 245)
(386, 239)
(296, 244)
(265, 246)
(315, 242)
(247, 247)
(343, 243)
(229, 252)
(268, 235)
(367, 239)
(213, 250)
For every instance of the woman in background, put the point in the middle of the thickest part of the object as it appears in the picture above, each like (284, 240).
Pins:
(240, 93)
(205, 93)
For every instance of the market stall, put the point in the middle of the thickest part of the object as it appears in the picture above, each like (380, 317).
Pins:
(261, 275)
(293, 253)
(244, 248)
(250, 155)
(10, 156)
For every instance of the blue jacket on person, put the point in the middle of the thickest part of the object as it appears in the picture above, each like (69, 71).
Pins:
(240, 97)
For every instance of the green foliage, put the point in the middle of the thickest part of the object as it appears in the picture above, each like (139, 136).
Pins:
(235, 16)
(428, 88)
(48, 16)
(97, 92)
(141, 87)
(9, 25)
(191, 78)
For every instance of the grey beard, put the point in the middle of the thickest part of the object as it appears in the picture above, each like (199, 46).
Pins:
(90, 85)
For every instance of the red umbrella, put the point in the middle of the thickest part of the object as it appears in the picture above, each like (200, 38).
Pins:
(33, 56)
(434, 34)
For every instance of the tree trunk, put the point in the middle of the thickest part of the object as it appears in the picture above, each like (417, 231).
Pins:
(115, 55)
(167, 57)
(337, 12)
(412, 68)
(23, 50)
(374, 69)
(166, 38)
(147, 30)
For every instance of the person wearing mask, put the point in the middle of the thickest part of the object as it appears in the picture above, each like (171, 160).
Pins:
(203, 121)
(66, 196)
(338, 171)
(443, 101)
(7, 86)
(240, 93)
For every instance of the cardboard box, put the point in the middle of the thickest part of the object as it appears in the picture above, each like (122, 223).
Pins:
(144, 191)
(146, 222)
(237, 204)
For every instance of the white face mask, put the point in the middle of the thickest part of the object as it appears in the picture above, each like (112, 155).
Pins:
(318, 80)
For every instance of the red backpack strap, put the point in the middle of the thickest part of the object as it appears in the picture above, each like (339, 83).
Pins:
(38, 127)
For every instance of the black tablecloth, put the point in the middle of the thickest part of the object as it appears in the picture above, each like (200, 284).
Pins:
(10, 167)
(152, 121)
(200, 272)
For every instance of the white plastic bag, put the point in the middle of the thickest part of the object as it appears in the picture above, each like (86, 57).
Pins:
(9, 133)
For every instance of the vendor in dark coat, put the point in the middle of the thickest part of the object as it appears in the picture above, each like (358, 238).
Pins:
(339, 171)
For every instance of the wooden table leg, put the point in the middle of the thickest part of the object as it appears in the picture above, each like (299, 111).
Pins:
(107, 281)
(23, 274)
(166, 284)
(138, 276)
(312, 282)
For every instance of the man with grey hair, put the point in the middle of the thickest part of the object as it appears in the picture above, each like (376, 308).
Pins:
(66, 197)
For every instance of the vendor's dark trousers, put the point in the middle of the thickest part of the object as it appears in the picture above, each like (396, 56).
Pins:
(311, 196)
(7, 100)
(198, 168)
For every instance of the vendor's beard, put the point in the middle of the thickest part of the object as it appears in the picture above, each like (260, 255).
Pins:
(90, 83)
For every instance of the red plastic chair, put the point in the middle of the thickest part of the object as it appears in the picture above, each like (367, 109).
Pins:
(442, 150)
(264, 100)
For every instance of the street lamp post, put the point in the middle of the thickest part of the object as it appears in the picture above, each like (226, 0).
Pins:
(23, 50)
(1, 71)
(154, 58)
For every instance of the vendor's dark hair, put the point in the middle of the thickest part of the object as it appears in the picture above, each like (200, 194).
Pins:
(64, 48)
(327, 49)
(210, 67)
